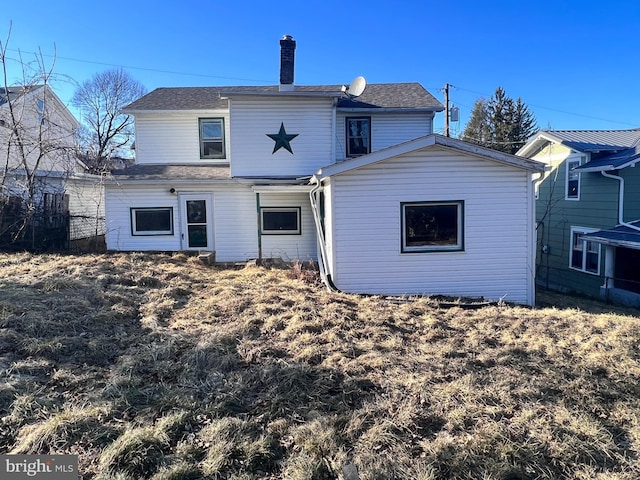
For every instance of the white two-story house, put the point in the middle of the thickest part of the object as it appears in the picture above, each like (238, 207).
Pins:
(357, 182)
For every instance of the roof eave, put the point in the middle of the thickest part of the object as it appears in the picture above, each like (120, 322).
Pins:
(174, 111)
(390, 109)
(614, 242)
(278, 93)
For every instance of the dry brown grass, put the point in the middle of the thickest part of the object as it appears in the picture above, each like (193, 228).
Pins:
(157, 366)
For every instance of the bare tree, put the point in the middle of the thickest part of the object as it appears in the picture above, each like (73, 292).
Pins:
(108, 130)
(37, 141)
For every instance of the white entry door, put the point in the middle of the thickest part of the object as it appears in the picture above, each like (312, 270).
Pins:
(197, 225)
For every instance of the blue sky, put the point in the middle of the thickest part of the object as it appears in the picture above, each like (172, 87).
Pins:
(575, 64)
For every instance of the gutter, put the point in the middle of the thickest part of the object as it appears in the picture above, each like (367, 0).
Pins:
(620, 201)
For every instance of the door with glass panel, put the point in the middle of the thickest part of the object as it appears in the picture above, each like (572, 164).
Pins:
(197, 225)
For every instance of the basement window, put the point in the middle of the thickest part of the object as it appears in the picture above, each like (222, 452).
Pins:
(152, 221)
(211, 138)
(280, 220)
(432, 226)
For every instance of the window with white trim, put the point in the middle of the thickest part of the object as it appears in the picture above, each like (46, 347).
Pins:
(572, 187)
(211, 138)
(585, 255)
(280, 220)
(358, 136)
(432, 226)
(152, 221)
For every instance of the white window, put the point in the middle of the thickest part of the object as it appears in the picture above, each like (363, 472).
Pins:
(572, 187)
(358, 136)
(585, 255)
(432, 226)
(280, 220)
(152, 221)
(211, 138)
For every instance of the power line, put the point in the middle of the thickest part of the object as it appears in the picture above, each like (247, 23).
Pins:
(129, 67)
(591, 117)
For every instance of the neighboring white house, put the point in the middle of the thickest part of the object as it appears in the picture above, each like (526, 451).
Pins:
(38, 159)
(279, 171)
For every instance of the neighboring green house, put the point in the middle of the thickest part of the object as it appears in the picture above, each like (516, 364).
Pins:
(588, 212)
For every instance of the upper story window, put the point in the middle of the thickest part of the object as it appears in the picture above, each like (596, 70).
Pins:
(572, 188)
(358, 136)
(211, 137)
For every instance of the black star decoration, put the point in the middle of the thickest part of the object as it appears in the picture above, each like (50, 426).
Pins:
(282, 139)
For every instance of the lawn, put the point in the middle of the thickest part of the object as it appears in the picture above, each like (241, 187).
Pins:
(158, 366)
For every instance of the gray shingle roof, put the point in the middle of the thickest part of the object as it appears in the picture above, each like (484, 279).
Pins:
(380, 95)
(173, 172)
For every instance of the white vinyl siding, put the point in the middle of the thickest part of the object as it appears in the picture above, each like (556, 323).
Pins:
(291, 247)
(118, 204)
(174, 138)
(86, 206)
(366, 233)
(387, 129)
(234, 221)
(253, 119)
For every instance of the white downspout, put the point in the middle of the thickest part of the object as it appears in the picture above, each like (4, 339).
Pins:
(620, 201)
(322, 260)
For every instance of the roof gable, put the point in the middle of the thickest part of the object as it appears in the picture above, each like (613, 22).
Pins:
(15, 93)
(426, 142)
(609, 149)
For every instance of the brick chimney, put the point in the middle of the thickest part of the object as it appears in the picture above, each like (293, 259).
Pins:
(287, 56)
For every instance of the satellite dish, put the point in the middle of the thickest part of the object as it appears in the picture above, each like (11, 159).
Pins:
(357, 87)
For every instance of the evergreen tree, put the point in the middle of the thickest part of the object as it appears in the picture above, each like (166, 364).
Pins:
(500, 123)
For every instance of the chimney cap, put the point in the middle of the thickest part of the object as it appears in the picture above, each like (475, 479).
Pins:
(287, 37)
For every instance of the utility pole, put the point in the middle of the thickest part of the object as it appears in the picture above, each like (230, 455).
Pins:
(446, 110)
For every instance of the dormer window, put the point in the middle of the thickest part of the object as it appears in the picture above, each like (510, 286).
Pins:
(211, 138)
(358, 136)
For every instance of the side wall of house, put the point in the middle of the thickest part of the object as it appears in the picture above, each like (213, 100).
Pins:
(174, 138)
(252, 119)
(366, 238)
(46, 129)
(235, 227)
(291, 247)
(86, 206)
(387, 129)
(556, 216)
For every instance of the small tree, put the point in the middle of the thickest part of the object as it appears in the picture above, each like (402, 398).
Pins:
(37, 144)
(107, 130)
(500, 123)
